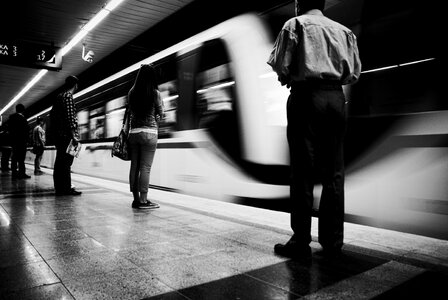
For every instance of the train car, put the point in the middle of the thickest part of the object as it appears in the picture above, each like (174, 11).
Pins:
(224, 134)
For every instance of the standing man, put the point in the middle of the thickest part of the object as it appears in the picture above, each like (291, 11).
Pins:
(64, 124)
(314, 56)
(5, 146)
(38, 144)
(19, 132)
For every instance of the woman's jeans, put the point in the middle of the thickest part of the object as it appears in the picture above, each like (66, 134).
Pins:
(142, 147)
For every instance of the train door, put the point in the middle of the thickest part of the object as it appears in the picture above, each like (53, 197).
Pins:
(169, 91)
(215, 105)
(187, 65)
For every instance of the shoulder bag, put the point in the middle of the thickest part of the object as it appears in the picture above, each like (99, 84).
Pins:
(120, 147)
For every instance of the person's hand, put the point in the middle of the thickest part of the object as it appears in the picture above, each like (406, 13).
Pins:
(159, 117)
(75, 141)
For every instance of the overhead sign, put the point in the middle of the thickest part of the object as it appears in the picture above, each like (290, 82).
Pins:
(30, 55)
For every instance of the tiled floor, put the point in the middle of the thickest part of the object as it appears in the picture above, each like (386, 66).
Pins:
(94, 246)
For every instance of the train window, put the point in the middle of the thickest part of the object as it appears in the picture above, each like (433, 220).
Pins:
(214, 93)
(115, 110)
(83, 124)
(215, 97)
(170, 96)
(96, 123)
(169, 92)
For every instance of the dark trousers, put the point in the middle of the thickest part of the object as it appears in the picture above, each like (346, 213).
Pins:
(6, 155)
(62, 167)
(18, 159)
(316, 128)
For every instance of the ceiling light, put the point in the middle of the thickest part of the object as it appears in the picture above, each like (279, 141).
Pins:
(25, 89)
(89, 26)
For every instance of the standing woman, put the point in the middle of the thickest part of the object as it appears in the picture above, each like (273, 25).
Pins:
(146, 109)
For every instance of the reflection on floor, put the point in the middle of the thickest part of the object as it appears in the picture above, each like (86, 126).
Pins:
(95, 246)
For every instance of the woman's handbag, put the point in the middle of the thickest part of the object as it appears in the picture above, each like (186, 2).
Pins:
(120, 147)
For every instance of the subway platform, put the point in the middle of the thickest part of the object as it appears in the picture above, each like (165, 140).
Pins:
(95, 246)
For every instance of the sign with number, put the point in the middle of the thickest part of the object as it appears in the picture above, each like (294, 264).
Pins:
(30, 55)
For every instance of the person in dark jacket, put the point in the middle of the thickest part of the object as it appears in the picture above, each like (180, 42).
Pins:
(64, 124)
(19, 132)
(145, 108)
(5, 146)
(314, 56)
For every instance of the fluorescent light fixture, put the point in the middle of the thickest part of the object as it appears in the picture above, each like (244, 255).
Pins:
(416, 62)
(169, 98)
(79, 36)
(218, 86)
(379, 69)
(85, 30)
(39, 114)
(113, 4)
(24, 90)
(397, 66)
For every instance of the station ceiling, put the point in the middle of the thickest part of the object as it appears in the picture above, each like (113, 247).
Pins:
(55, 22)
(118, 41)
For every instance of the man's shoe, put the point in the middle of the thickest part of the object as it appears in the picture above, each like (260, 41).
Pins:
(23, 176)
(292, 251)
(38, 172)
(146, 205)
(71, 192)
(74, 192)
(152, 205)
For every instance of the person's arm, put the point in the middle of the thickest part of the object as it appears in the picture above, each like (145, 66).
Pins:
(42, 136)
(281, 56)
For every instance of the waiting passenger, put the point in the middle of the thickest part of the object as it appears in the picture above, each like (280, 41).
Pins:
(315, 56)
(64, 124)
(146, 109)
(19, 131)
(5, 146)
(38, 144)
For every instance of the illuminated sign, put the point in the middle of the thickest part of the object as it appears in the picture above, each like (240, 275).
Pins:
(30, 55)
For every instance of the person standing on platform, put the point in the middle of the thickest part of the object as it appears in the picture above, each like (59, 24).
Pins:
(5, 146)
(38, 144)
(146, 109)
(64, 126)
(19, 132)
(314, 56)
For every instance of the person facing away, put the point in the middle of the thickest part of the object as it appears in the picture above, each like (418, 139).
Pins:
(314, 56)
(38, 144)
(5, 146)
(145, 109)
(19, 131)
(64, 125)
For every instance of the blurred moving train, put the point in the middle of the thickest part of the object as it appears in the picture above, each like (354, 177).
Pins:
(223, 136)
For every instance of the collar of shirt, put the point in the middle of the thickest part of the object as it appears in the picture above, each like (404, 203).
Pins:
(314, 11)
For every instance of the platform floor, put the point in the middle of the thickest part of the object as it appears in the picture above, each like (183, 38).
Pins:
(95, 246)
